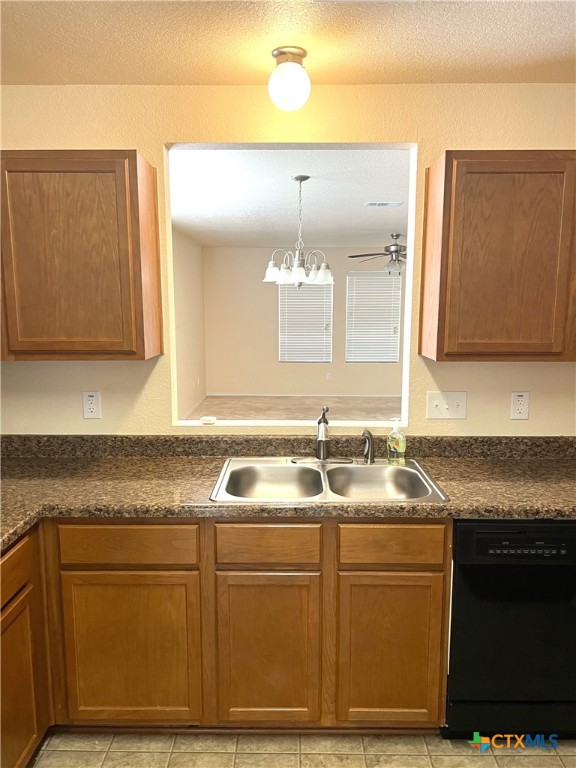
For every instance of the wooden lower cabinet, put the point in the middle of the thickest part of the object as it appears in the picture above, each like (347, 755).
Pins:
(389, 647)
(322, 624)
(23, 674)
(20, 729)
(132, 645)
(269, 646)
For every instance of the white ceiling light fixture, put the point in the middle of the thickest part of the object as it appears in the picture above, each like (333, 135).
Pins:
(297, 268)
(289, 84)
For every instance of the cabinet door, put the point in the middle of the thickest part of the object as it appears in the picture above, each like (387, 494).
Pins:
(390, 631)
(80, 263)
(511, 237)
(132, 645)
(20, 727)
(499, 278)
(269, 646)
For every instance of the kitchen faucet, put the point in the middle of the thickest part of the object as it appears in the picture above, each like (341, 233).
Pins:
(368, 447)
(322, 438)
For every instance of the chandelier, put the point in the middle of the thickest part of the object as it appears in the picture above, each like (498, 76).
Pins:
(296, 267)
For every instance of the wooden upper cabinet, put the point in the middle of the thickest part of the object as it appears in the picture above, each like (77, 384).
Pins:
(80, 256)
(499, 268)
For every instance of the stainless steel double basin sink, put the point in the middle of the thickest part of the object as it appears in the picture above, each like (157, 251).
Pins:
(283, 480)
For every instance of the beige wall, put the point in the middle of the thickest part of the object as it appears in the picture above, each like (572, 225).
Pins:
(138, 397)
(242, 333)
(189, 339)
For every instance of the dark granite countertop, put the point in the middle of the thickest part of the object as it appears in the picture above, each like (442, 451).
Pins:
(140, 486)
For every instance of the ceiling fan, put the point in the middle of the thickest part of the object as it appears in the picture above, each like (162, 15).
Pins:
(397, 254)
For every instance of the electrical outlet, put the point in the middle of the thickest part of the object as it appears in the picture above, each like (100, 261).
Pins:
(328, 377)
(91, 405)
(520, 405)
(446, 405)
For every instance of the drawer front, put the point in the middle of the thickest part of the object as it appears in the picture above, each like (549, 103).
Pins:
(16, 569)
(392, 544)
(268, 544)
(117, 545)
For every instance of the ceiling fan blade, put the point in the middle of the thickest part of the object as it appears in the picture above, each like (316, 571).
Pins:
(362, 255)
(372, 257)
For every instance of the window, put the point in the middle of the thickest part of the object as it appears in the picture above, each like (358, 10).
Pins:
(305, 324)
(373, 317)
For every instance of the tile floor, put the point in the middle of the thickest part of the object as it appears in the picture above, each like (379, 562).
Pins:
(287, 751)
(302, 407)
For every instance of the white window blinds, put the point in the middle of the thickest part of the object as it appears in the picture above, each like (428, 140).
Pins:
(373, 317)
(305, 324)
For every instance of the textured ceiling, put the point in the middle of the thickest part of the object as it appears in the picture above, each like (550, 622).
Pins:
(169, 42)
(246, 196)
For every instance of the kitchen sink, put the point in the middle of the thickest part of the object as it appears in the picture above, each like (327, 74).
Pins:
(369, 482)
(274, 481)
(278, 480)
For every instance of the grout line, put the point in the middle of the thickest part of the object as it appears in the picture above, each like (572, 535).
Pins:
(107, 751)
(426, 748)
(170, 752)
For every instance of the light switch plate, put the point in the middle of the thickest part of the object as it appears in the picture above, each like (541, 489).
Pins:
(446, 405)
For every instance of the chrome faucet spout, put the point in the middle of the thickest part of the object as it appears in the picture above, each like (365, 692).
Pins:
(322, 436)
(368, 447)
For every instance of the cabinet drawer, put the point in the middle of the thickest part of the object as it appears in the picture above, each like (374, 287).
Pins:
(393, 544)
(16, 569)
(128, 544)
(267, 543)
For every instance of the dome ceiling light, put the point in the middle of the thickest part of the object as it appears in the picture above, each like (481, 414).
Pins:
(289, 84)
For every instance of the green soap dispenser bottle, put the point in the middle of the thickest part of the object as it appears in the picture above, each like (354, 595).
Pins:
(396, 445)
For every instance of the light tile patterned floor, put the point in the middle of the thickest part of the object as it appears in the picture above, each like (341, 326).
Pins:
(298, 408)
(287, 751)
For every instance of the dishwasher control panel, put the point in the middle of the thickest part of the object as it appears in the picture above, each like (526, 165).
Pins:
(520, 547)
(510, 542)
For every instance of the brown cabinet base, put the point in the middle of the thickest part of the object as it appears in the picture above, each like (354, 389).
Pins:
(132, 645)
(24, 678)
(347, 634)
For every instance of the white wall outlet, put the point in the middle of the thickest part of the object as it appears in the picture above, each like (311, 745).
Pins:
(520, 405)
(446, 405)
(91, 405)
(328, 377)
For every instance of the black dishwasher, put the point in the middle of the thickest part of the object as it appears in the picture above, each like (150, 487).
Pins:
(512, 659)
